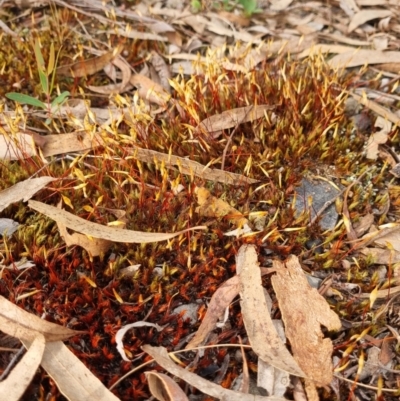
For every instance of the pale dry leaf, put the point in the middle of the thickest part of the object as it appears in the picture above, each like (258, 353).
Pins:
(378, 109)
(349, 7)
(220, 300)
(241, 36)
(323, 49)
(366, 15)
(121, 87)
(364, 224)
(230, 118)
(94, 246)
(381, 256)
(73, 142)
(378, 138)
(74, 380)
(160, 355)
(16, 383)
(137, 35)
(263, 336)
(391, 238)
(150, 90)
(210, 206)
(163, 388)
(23, 190)
(279, 5)
(304, 310)
(90, 66)
(18, 146)
(99, 231)
(187, 166)
(386, 233)
(356, 58)
(245, 382)
(23, 325)
(119, 336)
(8, 226)
(275, 381)
(162, 70)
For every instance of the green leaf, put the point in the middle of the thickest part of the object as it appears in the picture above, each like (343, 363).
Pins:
(60, 99)
(25, 99)
(44, 82)
(250, 6)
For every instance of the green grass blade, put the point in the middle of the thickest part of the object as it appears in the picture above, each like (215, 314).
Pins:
(60, 99)
(25, 99)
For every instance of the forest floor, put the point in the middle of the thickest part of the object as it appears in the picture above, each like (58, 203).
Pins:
(214, 180)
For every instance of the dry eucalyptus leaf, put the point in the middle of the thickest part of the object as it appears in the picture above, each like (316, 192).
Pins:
(356, 58)
(220, 300)
(377, 108)
(94, 246)
(231, 118)
(378, 138)
(160, 355)
(381, 256)
(23, 191)
(18, 323)
(367, 15)
(14, 386)
(115, 88)
(164, 388)
(90, 66)
(304, 310)
(191, 167)
(99, 231)
(67, 143)
(74, 380)
(262, 333)
(150, 90)
(119, 336)
(210, 206)
(19, 146)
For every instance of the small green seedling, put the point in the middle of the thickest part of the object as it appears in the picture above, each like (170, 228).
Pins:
(47, 76)
(249, 6)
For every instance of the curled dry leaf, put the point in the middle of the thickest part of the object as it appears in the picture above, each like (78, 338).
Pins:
(211, 206)
(74, 380)
(164, 388)
(160, 355)
(18, 323)
(121, 332)
(94, 246)
(378, 138)
(90, 66)
(304, 310)
(263, 336)
(22, 191)
(115, 88)
(14, 386)
(98, 231)
(220, 300)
